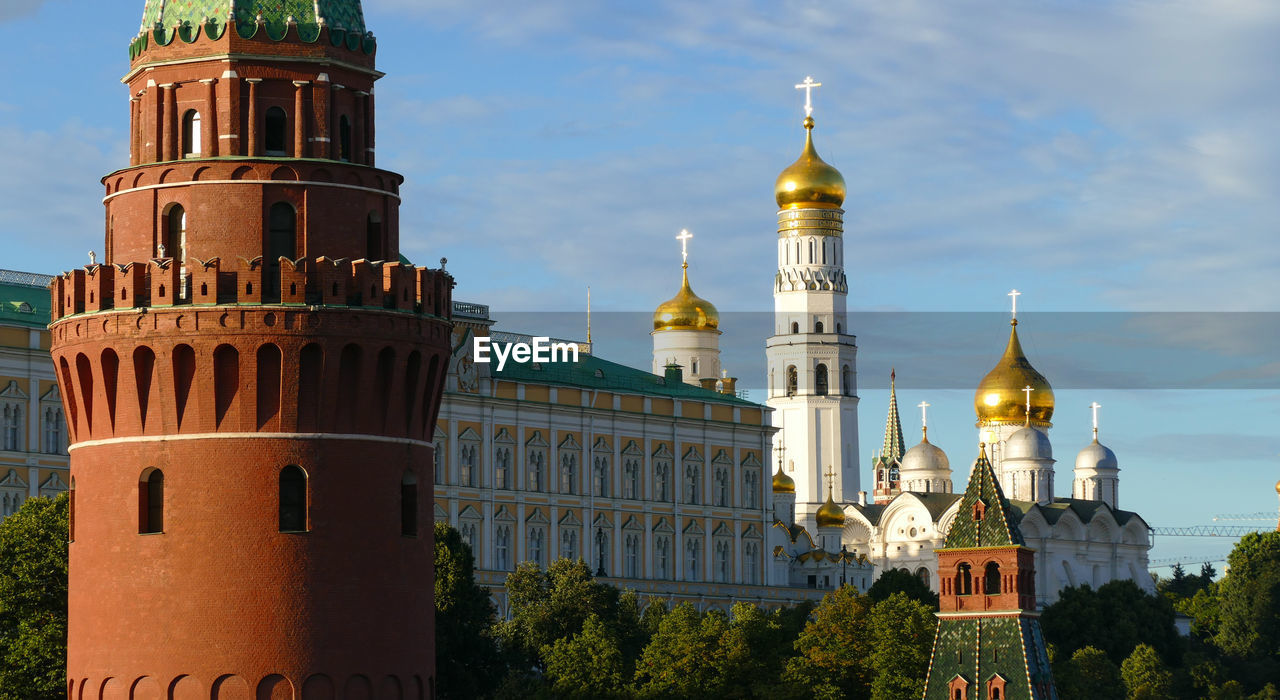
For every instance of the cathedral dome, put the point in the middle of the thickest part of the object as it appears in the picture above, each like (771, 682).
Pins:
(686, 311)
(1028, 443)
(783, 483)
(924, 457)
(346, 15)
(810, 181)
(829, 514)
(1097, 456)
(1001, 396)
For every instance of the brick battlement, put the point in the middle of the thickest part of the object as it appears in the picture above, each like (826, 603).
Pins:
(304, 282)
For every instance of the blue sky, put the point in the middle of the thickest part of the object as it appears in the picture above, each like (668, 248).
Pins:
(1098, 156)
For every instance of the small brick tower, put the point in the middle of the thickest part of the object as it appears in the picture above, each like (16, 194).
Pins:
(251, 375)
(989, 645)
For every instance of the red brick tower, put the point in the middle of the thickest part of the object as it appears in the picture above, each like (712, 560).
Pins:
(250, 389)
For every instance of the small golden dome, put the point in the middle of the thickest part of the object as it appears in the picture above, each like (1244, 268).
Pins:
(686, 311)
(1001, 396)
(1278, 487)
(783, 483)
(830, 514)
(809, 182)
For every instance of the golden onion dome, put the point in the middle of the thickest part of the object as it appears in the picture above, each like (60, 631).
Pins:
(1278, 487)
(783, 483)
(686, 311)
(1001, 396)
(810, 181)
(830, 514)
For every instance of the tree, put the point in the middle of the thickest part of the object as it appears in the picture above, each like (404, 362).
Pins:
(1115, 618)
(588, 664)
(468, 663)
(902, 581)
(1089, 674)
(1249, 600)
(33, 601)
(902, 631)
(755, 648)
(1145, 676)
(551, 605)
(834, 650)
(684, 657)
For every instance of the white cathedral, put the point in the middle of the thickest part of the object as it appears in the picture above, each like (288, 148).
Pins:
(824, 524)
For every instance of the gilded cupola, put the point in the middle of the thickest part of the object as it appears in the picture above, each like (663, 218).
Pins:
(809, 182)
(686, 311)
(783, 483)
(1002, 395)
(829, 514)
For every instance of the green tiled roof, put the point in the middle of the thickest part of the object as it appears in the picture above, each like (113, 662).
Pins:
(591, 372)
(977, 649)
(893, 442)
(346, 15)
(997, 526)
(24, 299)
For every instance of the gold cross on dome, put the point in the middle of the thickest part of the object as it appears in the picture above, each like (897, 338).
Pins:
(831, 476)
(684, 243)
(1014, 295)
(1095, 406)
(808, 85)
(924, 413)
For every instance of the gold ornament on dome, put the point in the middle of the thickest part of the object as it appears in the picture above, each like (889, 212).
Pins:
(686, 311)
(809, 182)
(1002, 394)
(830, 514)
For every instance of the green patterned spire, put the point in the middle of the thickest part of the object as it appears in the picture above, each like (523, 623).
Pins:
(983, 518)
(346, 15)
(893, 443)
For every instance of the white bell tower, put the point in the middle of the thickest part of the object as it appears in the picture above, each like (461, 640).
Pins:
(811, 355)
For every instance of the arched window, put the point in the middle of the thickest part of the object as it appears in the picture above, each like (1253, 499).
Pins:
(964, 580)
(795, 327)
(344, 139)
(923, 574)
(151, 501)
(991, 581)
(820, 380)
(293, 499)
(282, 227)
(373, 237)
(276, 126)
(175, 234)
(817, 327)
(409, 505)
(191, 134)
(793, 380)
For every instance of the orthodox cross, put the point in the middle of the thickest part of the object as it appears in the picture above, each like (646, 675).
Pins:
(684, 244)
(1015, 294)
(1095, 406)
(781, 448)
(1027, 390)
(808, 85)
(924, 416)
(831, 478)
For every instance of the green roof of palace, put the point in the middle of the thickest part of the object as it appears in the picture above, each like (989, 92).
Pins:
(346, 15)
(591, 372)
(24, 299)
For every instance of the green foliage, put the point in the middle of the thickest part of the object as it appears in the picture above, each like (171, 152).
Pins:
(1115, 618)
(684, 658)
(902, 631)
(551, 605)
(1249, 601)
(1089, 674)
(1181, 586)
(1145, 676)
(33, 601)
(834, 650)
(468, 663)
(902, 581)
(588, 664)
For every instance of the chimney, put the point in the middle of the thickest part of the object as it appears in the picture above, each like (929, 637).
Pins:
(674, 374)
(730, 385)
(708, 383)
(862, 498)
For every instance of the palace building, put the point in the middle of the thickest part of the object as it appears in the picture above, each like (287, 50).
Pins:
(33, 431)
(250, 386)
